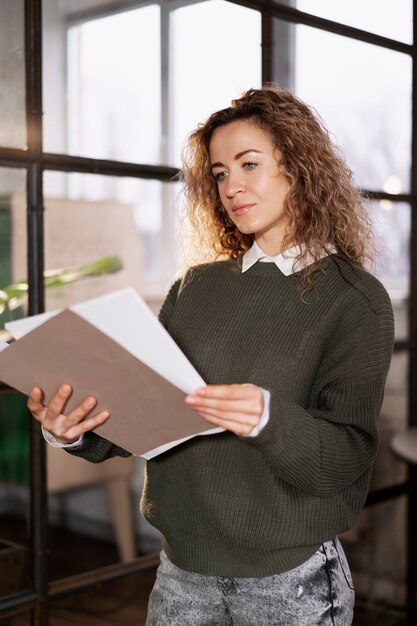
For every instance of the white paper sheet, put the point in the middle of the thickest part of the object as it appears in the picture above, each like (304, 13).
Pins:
(126, 318)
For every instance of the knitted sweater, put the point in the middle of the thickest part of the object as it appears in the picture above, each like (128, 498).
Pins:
(240, 506)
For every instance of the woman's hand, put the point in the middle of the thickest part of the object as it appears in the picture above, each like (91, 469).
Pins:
(237, 408)
(65, 428)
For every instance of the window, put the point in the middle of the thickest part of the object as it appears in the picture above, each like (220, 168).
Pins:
(124, 109)
(368, 113)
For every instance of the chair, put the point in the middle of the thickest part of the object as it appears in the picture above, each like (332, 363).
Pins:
(404, 446)
(65, 472)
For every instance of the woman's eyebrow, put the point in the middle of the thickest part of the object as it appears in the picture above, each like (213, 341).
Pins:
(237, 156)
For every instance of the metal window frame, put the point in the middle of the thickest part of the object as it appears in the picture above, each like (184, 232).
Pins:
(35, 162)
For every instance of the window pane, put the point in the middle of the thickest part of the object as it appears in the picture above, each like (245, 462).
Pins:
(383, 17)
(14, 433)
(392, 224)
(23, 619)
(206, 77)
(376, 551)
(89, 217)
(12, 243)
(388, 469)
(112, 109)
(363, 93)
(12, 75)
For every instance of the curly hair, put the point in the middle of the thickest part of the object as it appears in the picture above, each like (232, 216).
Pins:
(323, 206)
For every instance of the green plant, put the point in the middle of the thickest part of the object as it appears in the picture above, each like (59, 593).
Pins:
(14, 295)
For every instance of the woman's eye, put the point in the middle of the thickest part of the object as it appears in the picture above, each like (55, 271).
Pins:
(220, 176)
(249, 165)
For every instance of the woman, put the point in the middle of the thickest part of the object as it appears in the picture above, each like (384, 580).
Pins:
(294, 337)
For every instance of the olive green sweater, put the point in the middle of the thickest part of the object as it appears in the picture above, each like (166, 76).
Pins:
(240, 506)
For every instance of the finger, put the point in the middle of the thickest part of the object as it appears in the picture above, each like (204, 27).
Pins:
(233, 398)
(235, 418)
(235, 427)
(86, 425)
(80, 412)
(234, 391)
(35, 400)
(253, 406)
(57, 404)
(61, 424)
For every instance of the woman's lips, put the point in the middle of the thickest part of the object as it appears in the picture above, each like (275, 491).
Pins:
(241, 209)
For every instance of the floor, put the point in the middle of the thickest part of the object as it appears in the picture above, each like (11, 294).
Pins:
(123, 603)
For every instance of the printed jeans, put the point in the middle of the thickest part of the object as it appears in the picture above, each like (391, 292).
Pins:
(317, 593)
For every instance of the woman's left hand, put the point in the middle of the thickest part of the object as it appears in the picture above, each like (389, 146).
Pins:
(237, 408)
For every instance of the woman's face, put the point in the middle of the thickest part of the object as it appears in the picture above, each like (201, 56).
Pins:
(244, 162)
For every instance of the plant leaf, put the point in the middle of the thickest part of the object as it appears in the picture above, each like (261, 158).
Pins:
(12, 296)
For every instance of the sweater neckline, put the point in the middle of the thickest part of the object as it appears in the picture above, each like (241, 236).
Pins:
(271, 269)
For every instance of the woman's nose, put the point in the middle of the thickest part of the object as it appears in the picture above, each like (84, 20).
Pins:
(234, 185)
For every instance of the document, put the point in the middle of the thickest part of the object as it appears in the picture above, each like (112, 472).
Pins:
(114, 348)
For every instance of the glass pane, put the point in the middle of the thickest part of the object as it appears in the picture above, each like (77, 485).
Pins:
(388, 469)
(12, 75)
(12, 245)
(363, 94)
(392, 224)
(101, 99)
(93, 514)
(89, 217)
(376, 549)
(23, 619)
(383, 17)
(14, 421)
(213, 78)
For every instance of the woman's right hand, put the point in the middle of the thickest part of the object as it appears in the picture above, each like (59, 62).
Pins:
(65, 428)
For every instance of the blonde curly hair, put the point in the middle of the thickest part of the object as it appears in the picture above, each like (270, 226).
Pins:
(323, 206)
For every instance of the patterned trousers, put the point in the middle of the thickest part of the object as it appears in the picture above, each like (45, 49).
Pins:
(317, 593)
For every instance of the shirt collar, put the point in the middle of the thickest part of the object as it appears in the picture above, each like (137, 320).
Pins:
(286, 261)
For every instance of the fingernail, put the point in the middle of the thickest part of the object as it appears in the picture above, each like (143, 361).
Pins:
(201, 391)
(190, 400)
(65, 388)
(90, 402)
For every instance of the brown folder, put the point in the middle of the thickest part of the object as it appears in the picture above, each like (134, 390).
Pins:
(146, 410)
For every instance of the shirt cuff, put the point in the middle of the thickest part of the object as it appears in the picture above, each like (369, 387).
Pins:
(264, 417)
(57, 444)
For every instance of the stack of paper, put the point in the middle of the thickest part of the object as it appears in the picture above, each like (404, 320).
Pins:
(114, 348)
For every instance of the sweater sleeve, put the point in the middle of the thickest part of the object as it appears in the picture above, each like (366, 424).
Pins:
(327, 446)
(96, 449)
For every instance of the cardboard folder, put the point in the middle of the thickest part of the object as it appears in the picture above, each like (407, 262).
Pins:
(148, 412)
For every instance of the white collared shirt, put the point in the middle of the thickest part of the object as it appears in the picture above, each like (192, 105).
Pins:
(286, 261)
